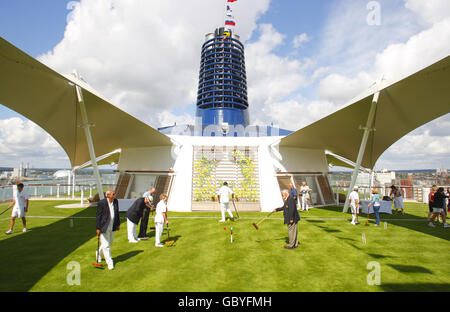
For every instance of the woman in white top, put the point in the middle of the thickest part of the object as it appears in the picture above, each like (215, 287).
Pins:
(160, 219)
(304, 191)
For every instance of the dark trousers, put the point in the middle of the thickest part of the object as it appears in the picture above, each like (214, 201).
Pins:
(144, 224)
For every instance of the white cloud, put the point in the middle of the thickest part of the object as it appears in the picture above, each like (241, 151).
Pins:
(299, 40)
(167, 118)
(395, 60)
(430, 11)
(24, 141)
(145, 55)
(271, 78)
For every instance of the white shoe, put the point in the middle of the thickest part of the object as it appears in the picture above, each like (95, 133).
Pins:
(110, 267)
(8, 232)
(159, 245)
(431, 225)
(133, 241)
(24, 230)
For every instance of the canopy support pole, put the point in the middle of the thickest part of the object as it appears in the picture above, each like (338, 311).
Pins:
(87, 131)
(367, 129)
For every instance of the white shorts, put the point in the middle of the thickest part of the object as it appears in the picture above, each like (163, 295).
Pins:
(18, 212)
(354, 209)
(438, 210)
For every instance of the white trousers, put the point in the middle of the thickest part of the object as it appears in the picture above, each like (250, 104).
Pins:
(158, 232)
(398, 203)
(106, 240)
(131, 229)
(223, 207)
(304, 203)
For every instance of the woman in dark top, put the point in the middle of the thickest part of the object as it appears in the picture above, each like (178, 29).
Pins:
(439, 206)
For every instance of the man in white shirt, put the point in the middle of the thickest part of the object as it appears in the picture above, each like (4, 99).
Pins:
(107, 222)
(20, 209)
(160, 219)
(354, 204)
(305, 193)
(223, 196)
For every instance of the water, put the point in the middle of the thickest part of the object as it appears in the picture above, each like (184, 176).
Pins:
(81, 181)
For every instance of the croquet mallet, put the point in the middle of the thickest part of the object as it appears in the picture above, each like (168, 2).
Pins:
(96, 264)
(5, 210)
(256, 225)
(237, 214)
(168, 236)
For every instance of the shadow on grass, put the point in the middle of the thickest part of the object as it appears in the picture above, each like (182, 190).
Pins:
(425, 287)
(410, 268)
(36, 252)
(380, 256)
(128, 255)
(329, 230)
(397, 219)
(315, 221)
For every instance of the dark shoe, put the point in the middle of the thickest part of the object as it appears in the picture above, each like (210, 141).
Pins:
(287, 247)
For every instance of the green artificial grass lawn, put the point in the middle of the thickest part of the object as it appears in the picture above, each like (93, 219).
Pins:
(332, 255)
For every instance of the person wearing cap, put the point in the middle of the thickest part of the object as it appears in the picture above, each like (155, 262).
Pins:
(223, 196)
(147, 209)
(134, 214)
(354, 204)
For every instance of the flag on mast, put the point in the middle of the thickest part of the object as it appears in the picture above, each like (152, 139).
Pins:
(231, 1)
(229, 11)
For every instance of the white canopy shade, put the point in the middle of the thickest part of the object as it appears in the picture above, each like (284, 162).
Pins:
(49, 100)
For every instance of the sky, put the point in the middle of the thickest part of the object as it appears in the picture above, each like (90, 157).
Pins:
(305, 59)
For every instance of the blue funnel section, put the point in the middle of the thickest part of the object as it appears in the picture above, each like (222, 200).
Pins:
(222, 91)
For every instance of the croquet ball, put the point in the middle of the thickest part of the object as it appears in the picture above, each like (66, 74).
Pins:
(224, 228)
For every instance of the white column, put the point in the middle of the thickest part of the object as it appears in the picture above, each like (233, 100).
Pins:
(367, 130)
(57, 191)
(73, 184)
(68, 184)
(87, 131)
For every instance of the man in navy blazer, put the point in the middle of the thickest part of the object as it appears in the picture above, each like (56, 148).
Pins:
(108, 221)
(291, 218)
